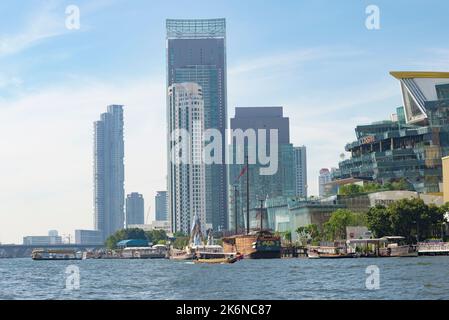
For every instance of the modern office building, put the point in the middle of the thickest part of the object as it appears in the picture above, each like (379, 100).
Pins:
(109, 193)
(187, 178)
(281, 183)
(52, 239)
(301, 171)
(161, 204)
(88, 237)
(323, 179)
(135, 209)
(196, 52)
(388, 151)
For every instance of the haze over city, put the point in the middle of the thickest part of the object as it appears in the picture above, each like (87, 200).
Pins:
(328, 71)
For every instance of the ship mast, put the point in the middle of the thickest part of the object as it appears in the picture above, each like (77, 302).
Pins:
(247, 194)
(261, 214)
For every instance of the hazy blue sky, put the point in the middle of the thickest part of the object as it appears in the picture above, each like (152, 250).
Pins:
(315, 58)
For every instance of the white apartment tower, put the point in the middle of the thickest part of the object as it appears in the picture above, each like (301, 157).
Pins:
(186, 169)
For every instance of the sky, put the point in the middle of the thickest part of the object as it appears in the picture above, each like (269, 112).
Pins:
(316, 58)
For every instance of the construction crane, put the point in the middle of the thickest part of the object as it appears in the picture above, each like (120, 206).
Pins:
(148, 214)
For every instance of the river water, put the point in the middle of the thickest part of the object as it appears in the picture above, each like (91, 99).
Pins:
(399, 278)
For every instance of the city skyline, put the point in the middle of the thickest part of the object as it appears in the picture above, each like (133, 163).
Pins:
(68, 91)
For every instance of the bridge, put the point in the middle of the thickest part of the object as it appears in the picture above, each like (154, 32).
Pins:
(23, 251)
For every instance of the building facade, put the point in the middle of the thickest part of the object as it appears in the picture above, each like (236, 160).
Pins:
(51, 239)
(196, 52)
(161, 205)
(323, 179)
(88, 237)
(109, 169)
(388, 151)
(187, 175)
(301, 171)
(135, 209)
(281, 183)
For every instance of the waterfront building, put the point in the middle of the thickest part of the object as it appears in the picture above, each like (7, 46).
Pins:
(323, 179)
(281, 183)
(196, 52)
(161, 205)
(388, 151)
(288, 214)
(135, 209)
(187, 179)
(301, 171)
(51, 239)
(109, 192)
(88, 237)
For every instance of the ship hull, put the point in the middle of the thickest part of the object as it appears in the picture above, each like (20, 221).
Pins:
(259, 245)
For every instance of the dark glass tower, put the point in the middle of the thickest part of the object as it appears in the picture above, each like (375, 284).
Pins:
(196, 52)
(109, 193)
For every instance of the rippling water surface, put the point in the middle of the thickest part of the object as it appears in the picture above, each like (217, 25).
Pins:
(400, 278)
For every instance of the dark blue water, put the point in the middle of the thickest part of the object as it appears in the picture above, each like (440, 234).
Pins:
(400, 278)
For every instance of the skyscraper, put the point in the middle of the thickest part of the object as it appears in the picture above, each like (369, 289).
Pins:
(135, 209)
(196, 52)
(282, 182)
(109, 170)
(187, 183)
(325, 177)
(161, 206)
(301, 171)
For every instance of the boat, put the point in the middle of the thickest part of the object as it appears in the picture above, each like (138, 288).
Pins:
(56, 254)
(261, 244)
(155, 252)
(219, 258)
(328, 253)
(395, 246)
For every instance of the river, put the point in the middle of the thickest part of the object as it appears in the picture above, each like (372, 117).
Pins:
(399, 278)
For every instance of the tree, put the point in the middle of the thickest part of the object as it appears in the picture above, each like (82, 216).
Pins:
(309, 233)
(350, 190)
(378, 221)
(124, 234)
(335, 228)
(156, 235)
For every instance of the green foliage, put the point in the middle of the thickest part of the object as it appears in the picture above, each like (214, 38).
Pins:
(181, 242)
(124, 234)
(154, 236)
(350, 190)
(410, 218)
(369, 187)
(179, 234)
(335, 228)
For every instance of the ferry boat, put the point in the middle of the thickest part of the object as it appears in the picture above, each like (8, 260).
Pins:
(155, 252)
(262, 244)
(56, 254)
(218, 258)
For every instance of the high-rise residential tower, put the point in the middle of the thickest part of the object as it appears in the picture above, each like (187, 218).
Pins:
(161, 206)
(187, 178)
(135, 209)
(325, 177)
(109, 171)
(301, 171)
(196, 52)
(280, 183)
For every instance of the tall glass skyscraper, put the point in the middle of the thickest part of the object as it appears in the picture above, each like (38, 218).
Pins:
(186, 187)
(109, 171)
(135, 209)
(261, 187)
(301, 171)
(196, 52)
(160, 201)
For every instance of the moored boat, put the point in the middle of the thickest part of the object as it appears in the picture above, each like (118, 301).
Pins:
(395, 246)
(56, 254)
(255, 245)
